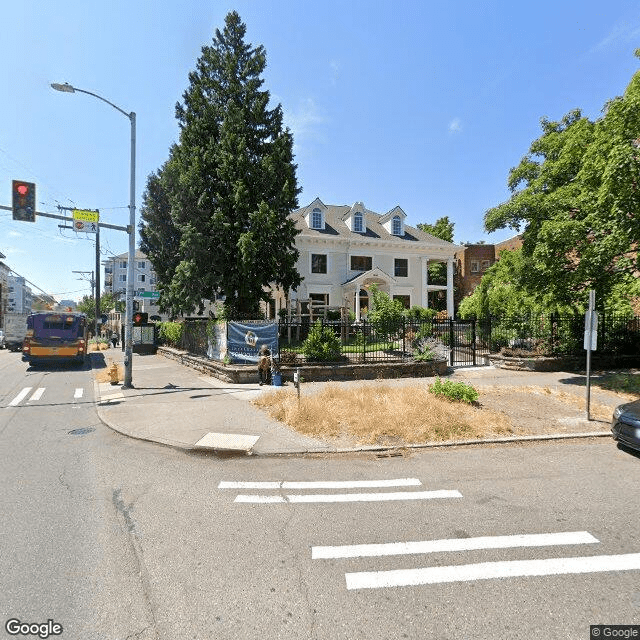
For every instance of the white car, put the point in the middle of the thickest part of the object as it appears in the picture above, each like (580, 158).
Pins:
(3, 344)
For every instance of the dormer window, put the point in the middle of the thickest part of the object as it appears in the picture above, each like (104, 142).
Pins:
(316, 219)
(357, 223)
(396, 226)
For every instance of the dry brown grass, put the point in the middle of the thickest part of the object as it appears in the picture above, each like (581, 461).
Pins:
(104, 376)
(578, 401)
(382, 414)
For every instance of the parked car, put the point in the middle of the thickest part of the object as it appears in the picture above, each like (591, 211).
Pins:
(3, 344)
(626, 424)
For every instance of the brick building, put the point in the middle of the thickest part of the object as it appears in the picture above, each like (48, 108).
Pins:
(474, 259)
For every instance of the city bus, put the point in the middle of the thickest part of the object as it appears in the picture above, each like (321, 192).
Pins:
(54, 336)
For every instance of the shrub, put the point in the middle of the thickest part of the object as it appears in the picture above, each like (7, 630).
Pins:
(457, 391)
(171, 333)
(420, 313)
(322, 344)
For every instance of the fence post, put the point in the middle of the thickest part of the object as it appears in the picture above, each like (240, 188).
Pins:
(451, 342)
(473, 340)
(551, 332)
(404, 338)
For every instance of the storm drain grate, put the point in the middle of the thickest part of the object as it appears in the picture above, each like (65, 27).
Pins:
(81, 431)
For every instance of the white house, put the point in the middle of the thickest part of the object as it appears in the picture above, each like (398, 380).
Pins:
(346, 249)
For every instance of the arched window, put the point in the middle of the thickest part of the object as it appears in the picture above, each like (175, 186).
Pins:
(316, 219)
(357, 222)
(396, 226)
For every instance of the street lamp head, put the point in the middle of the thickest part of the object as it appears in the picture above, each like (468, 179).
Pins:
(66, 87)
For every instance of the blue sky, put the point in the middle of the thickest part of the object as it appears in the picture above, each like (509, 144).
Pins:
(412, 103)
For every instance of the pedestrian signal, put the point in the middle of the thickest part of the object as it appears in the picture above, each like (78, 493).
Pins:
(140, 318)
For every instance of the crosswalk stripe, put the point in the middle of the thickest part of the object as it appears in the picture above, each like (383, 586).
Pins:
(37, 394)
(492, 570)
(322, 484)
(20, 397)
(78, 394)
(453, 544)
(352, 497)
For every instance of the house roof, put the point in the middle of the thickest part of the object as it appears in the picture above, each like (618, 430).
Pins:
(335, 225)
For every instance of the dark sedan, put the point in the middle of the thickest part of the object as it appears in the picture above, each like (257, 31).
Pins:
(626, 424)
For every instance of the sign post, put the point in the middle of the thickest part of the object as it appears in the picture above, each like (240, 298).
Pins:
(590, 341)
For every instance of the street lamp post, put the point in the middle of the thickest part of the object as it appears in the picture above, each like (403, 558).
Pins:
(128, 331)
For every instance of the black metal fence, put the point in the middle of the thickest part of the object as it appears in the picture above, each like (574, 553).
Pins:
(460, 342)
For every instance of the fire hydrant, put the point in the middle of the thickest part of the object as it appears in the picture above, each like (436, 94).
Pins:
(113, 373)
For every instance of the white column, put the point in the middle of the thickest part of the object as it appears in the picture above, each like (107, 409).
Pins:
(450, 287)
(358, 303)
(425, 282)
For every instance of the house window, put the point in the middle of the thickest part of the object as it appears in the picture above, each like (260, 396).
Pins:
(316, 219)
(142, 265)
(396, 226)
(475, 266)
(361, 263)
(319, 298)
(401, 268)
(485, 264)
(122, 277)
(123, 264)
(318, 263)
(406, 301)
(357, 222)
(141, 277)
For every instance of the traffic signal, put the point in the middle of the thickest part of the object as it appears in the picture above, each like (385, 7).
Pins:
(24, 201)
(140, 318)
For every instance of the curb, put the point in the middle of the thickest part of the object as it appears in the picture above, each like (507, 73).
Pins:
(352, 450)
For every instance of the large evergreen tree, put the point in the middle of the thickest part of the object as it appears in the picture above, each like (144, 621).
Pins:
(236, 182)
(159, 236)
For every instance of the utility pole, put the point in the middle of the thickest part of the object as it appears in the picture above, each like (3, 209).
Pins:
(97, 296)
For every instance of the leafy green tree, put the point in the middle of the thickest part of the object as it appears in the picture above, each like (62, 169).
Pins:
(442, 228)
(88, 305)
(576, 195)
(386, 315)
(236, 182)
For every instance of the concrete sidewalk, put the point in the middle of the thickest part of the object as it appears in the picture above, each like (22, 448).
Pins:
(175, 405)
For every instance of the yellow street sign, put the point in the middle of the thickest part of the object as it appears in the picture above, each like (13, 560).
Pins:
(87, 216)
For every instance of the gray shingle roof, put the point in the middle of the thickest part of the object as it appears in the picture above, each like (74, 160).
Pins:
(335, 226)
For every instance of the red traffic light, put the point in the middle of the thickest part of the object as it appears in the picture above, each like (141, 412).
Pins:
(24, 201)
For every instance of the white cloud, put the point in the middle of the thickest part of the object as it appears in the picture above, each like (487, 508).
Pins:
(622, 32)
(455, 126)
(15, 234)
(306, 122)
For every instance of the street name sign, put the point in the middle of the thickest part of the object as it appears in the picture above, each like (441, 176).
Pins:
(150, 294)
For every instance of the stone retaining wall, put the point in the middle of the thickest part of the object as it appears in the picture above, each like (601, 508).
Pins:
(240, 374)
(567, 363)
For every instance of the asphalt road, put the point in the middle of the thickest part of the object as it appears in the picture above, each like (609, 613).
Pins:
(115, 538)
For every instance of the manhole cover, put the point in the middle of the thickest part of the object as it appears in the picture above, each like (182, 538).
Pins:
(81, 432)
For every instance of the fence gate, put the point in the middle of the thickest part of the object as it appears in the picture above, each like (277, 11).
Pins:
(467, 340)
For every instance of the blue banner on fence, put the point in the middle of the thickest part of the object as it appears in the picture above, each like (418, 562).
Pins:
(244, 340)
